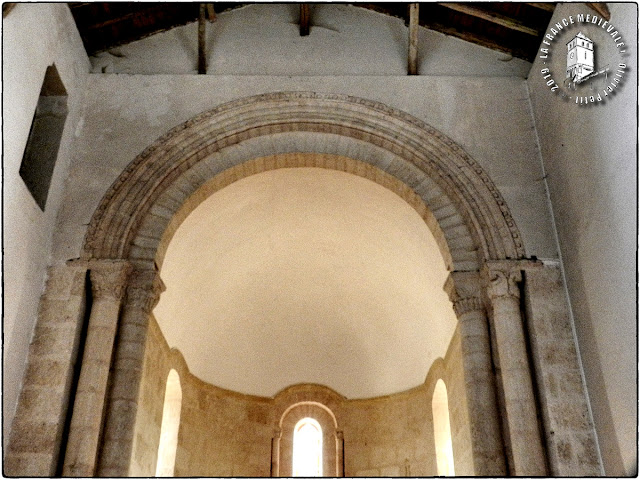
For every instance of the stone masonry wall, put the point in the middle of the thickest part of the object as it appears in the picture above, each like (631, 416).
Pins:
(390, 436)
(567, 426)
(453, 377)
(156, 368)
(224, 433)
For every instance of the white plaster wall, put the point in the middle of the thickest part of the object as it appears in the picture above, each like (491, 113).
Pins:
(265, 39)
(489, 117)
(590, 157)
(34, 36)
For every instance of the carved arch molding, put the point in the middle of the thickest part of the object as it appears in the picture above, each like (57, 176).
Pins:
(478, 238)
(464, 209)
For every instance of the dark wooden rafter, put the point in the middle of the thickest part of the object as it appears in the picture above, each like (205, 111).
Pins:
(202, 30)
(6, 8)
(601, 9)
(496, 25)
(211, 13)
(414, 15)
(546, 6)
(491, 17)
(305, 19)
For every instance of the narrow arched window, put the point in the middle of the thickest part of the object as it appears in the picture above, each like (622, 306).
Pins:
(307, 448)
(170, 426)
(442, 430)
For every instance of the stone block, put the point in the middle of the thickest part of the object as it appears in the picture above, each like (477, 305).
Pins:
(50, 373)
(29, 465)
(42, 403)
(54, 340)
(391, 471)
(29, 436)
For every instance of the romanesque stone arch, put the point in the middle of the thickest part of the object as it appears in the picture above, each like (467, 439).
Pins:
(128, 234)
(133, 215)
(464, 210)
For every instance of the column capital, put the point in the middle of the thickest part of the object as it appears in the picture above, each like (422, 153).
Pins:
(465, 292)
(145, 287)
(503, 277)
(109, 278)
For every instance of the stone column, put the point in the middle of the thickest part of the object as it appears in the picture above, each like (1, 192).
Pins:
(464, 290)
(275, 453)
(517, 384)
(339, 453)
(143, 294)
(108, 279)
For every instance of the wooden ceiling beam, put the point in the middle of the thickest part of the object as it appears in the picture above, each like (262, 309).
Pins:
(496, 18)
(546, 6)
(305, 18)
(211, 13)
(6, 8)
(601, 9)
(202, 29)
(414, 16)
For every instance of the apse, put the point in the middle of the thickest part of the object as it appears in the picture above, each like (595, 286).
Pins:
(306, 275)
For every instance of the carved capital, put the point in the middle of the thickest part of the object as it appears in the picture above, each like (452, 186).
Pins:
(109, 278)
(144, 290)
(465, 292)
(277, 433)
(466, 305)
(503, 279)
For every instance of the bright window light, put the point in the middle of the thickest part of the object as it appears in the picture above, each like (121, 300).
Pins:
(442, 431)
(307, 448)
(170, 426)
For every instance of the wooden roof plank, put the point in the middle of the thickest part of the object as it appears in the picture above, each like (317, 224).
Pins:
(546, 6)
(490, 17)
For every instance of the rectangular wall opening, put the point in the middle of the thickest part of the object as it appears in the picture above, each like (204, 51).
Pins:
(41, 152)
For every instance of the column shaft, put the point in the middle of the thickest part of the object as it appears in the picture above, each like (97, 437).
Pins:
(517, 384)
(464, 289)
(108, 279)
(143, 294)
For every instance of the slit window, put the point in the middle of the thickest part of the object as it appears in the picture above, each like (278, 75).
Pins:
(442, 431)
(307, 448)
(168, 445)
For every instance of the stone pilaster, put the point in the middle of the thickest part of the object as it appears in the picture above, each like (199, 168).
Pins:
(37, 433)
(108, 281)
(464, 290)
(516, 375)
(143, 293)
(572, 449)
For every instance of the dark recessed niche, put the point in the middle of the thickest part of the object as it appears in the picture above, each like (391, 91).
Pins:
(41, 152)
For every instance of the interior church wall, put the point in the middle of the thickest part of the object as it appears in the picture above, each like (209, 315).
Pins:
(240, 42)
(590, 159)
(489, 117)
(225, 433)
(33, 39)
(155, 370)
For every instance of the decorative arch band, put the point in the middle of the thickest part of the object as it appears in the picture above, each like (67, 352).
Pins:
(469, 217)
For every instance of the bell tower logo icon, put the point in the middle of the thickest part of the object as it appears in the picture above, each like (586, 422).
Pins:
(580, 64)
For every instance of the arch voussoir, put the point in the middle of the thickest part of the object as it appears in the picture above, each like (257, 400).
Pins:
(137, 207)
